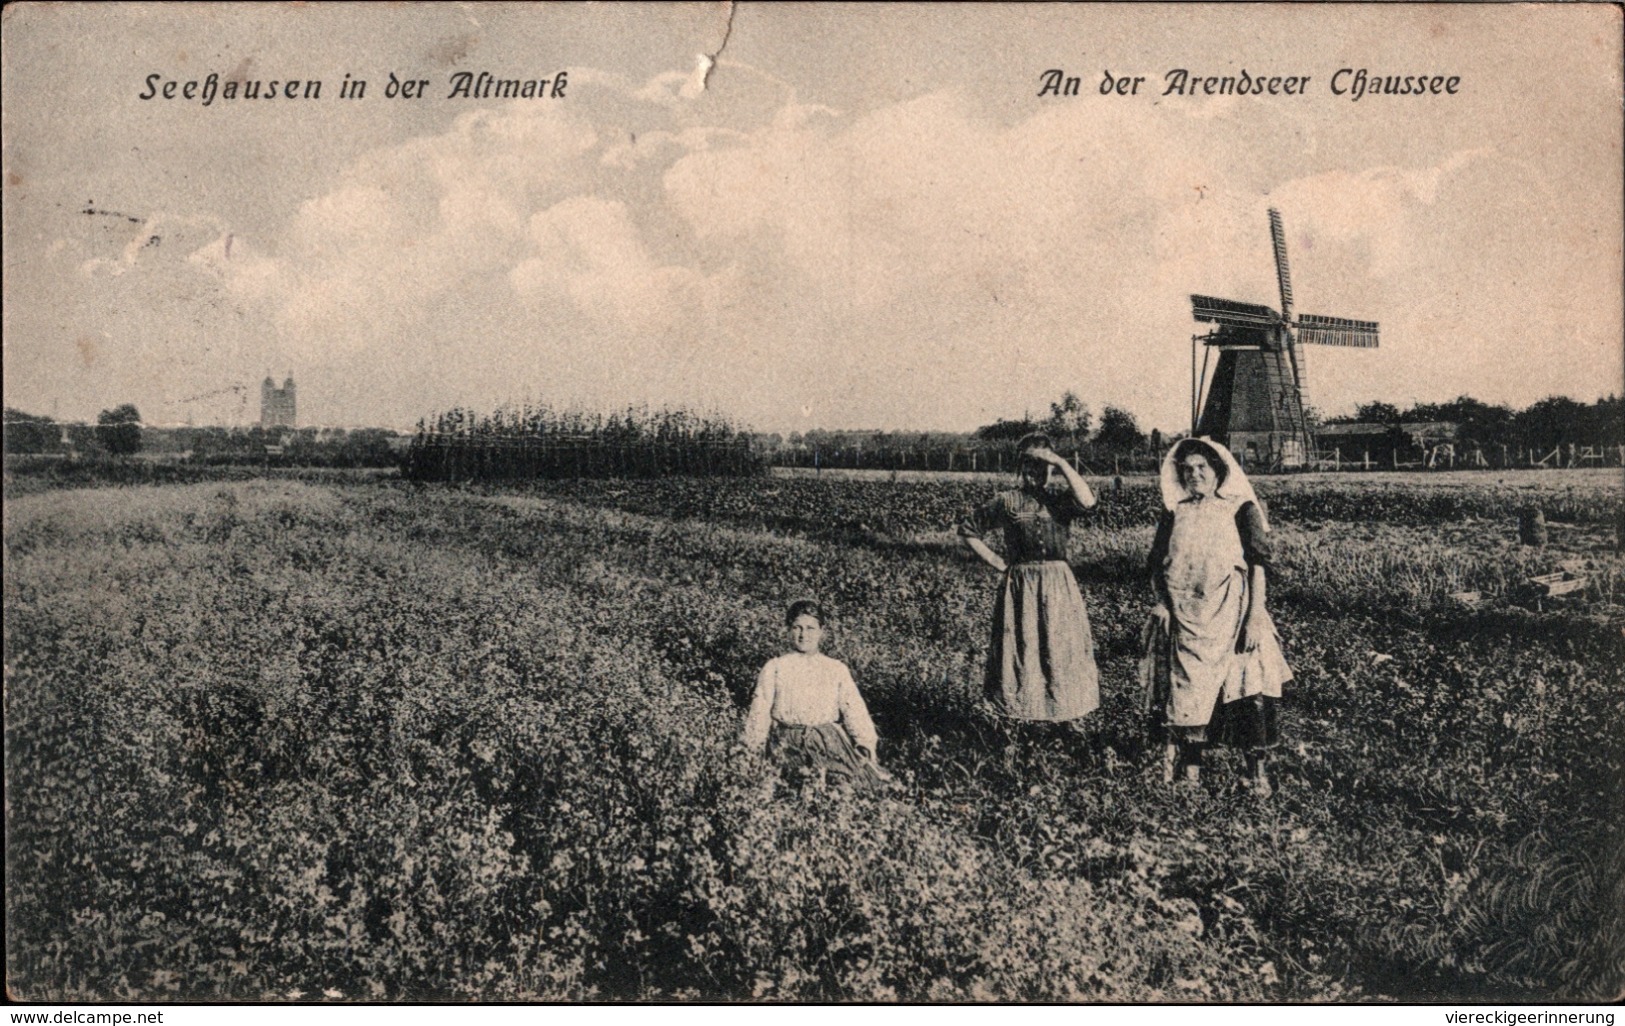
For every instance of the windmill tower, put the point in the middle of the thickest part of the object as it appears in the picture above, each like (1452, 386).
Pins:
(1254, 395)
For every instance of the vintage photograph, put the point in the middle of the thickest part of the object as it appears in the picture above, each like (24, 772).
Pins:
(746, 502)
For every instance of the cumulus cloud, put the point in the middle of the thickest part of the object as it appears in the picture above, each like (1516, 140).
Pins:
(1377, 206)
(588, 249)
(803, 258)
(408, 228)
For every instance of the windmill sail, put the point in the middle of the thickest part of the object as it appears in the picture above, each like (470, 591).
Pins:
(1230, 312)
(1254, 402)
(1283, 274)
(1292, 405)
(1337, 331)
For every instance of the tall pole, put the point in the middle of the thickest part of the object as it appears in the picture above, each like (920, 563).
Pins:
(1195, 385)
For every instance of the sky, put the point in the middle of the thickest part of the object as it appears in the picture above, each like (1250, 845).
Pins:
(859, 217)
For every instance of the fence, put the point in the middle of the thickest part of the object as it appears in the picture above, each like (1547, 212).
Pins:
(1449, 456)
(988, 458)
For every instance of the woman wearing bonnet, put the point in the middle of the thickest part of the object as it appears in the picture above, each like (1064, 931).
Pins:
(1213, 666)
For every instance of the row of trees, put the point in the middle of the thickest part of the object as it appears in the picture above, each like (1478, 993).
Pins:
(1557, 421)
(119, 432)
(1116, 443)
(538, 441)
(1071, 425)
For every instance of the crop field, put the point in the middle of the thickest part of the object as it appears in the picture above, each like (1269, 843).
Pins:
(349, 738)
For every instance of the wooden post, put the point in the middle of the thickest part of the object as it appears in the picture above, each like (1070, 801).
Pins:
(1532, 526)
(1195, 386)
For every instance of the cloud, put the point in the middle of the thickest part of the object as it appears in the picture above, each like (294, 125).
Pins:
(913, 265)
(1375, 206)
(408, 228)
(709, 262)
(588, 250)
(155, 240)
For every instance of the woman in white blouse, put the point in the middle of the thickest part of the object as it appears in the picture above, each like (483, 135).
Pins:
(807, 709)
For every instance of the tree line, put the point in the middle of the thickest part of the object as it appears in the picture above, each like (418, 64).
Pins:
(539, 441)
(1551, 423)
(119, 433)
(1115, 443)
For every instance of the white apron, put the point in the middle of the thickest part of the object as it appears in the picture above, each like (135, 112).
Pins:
(1206, 578)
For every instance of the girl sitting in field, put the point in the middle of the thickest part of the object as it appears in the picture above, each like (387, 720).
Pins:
(809, 706)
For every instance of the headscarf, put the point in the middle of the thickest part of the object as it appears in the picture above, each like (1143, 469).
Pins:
(1235, 486)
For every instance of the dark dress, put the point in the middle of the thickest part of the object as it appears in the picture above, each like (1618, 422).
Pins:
(1041, 654)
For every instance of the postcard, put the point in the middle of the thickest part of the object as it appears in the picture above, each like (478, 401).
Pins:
(813, 502)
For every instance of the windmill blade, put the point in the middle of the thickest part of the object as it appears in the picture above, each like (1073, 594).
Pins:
(1337, 331)
(1231, 313)
(1283, 273)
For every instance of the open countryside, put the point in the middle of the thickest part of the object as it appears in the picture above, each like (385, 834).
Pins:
(335, 733)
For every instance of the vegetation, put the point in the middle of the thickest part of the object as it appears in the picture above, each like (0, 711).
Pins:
(1543, 426)
(290, 447)
(119, 430)
(1484, 434)
(374, 740)
(536, 441)
(29, 433)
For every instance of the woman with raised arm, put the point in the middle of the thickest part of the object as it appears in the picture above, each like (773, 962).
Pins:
(1213, 667)
(1041, 657)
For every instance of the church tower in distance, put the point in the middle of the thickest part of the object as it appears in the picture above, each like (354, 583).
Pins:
(277, 406)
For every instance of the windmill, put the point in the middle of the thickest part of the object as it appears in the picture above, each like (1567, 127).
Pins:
(1254, 403)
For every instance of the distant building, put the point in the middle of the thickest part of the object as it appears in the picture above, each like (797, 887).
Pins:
(1412, 439)
(277, 408)
(1419, 433)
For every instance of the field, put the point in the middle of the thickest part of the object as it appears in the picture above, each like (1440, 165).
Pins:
(347, 738)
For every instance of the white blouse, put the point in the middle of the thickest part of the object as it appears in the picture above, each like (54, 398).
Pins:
(806, 689)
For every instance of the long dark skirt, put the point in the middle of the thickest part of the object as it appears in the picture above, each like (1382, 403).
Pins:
(1041, 661)
(821, 753)
(1253, 723)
